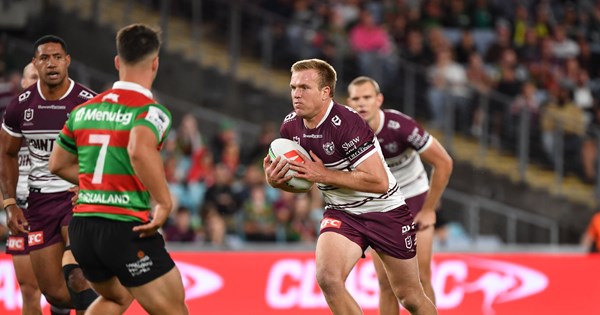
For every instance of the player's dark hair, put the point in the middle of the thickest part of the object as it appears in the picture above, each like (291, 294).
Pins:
(137, 41)
(326, 72)
(49, 39)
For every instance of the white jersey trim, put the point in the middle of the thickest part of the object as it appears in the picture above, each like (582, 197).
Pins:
(71, 86)
(14, 134)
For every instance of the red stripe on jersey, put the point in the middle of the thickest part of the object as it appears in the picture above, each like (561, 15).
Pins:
(112, 182)
(143, 215)
(118, 138)
(65, 131)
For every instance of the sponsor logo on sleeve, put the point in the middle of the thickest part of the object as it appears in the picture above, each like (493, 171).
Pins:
(159, 119)
(392, 124)
(336, 120)
(85, 94)
(24, 96)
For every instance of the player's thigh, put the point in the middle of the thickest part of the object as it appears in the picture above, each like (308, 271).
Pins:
(113, 290)
(336, 255)
(425, 248)
(47, 265)
(403, 274)
(24, 270)
(163, 295)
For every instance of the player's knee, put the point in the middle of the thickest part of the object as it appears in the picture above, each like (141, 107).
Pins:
(81, 295)
(410, 300)
(329, 281)
(30, 293)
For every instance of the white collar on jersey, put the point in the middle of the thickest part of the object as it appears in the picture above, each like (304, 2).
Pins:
(381, 121)
(324, 116)
(126, 85)
(71, 85)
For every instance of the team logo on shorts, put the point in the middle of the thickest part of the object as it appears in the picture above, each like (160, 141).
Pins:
(330, 223)
(15, 243)
(36, 238)
(28, 114)
(408, 242)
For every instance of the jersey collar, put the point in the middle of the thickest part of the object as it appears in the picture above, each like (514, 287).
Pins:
(71, 85)
(126, 85)
(381, 122)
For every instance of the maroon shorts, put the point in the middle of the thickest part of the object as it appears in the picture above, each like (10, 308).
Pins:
(392, 232)
(46, 214)
(415, 203)
(17, 244)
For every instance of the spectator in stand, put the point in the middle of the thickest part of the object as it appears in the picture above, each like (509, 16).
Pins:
(563, 47)
(589, 149)
(528, 101)
(179, 229)
(465, 47)
(520, 25)
(561, 114)
(373, 48)
(259, 216)
(448, 86)
(457, 15)
(268, 133)
(502, 42)
(483, 14)
(480, 82)
(543, 22)
(529, 51)
(221, 205)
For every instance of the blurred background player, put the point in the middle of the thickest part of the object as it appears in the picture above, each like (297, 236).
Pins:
(404, 144)
(36, 117)
(114, 156)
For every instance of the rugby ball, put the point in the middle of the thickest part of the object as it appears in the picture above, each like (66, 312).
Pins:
(290, 150)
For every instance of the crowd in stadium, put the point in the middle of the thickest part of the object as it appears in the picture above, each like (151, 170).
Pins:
(541, 56)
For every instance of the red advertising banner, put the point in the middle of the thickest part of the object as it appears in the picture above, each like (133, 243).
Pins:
(264, 283)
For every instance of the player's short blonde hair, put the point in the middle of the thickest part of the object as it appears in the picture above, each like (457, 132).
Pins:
(325, 71)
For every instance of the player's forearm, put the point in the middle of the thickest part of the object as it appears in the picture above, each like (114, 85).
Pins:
(9, 174)
(440, 176)
(356, 180)
(147, 164)
(69, 173)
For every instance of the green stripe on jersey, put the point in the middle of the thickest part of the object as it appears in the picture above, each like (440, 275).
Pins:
(67, 143)
(118, 157)
(134, 200)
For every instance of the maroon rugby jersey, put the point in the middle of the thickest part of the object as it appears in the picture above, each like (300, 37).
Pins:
(342, 140)
(39, 121)
(402, 140)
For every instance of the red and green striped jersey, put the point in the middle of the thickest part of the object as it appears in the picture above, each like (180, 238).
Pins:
(98, 133)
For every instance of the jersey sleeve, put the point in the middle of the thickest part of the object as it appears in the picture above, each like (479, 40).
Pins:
(13, 115)
(158, 119)
(66, 137)
(409, 131)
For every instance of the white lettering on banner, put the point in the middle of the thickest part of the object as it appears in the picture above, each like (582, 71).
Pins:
(499, 281)
(197, 281)
(453, 280)
(305, 293)
(10, 295)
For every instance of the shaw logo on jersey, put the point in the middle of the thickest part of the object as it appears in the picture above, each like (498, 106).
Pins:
(84, 114)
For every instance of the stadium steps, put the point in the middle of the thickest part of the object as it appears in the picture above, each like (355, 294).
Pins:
(216, 56)
(213, 55)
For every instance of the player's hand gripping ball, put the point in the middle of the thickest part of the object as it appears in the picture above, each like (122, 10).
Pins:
(289, 150)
